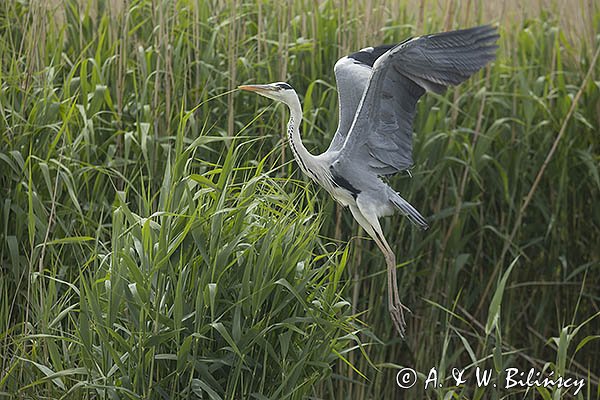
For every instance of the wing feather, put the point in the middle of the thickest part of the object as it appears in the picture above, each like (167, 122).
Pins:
(352, 74)
(379, 140)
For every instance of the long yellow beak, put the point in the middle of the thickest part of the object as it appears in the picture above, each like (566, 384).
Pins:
(256, 88)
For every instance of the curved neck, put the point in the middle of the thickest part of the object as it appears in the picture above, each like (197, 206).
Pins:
(302, 156)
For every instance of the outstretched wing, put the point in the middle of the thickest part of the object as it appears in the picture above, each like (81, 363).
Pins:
(352, 75)
(380, 138)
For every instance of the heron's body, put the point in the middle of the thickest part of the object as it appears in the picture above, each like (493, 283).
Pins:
(342, 185)
(378, 89)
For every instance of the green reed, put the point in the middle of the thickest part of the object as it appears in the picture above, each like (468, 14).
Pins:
(158, 241)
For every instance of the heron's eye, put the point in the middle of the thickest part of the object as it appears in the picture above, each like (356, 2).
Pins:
(283, 86)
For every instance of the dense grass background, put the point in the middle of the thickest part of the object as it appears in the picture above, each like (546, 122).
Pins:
(156, 241)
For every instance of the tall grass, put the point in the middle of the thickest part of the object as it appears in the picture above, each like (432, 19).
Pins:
(157, 241)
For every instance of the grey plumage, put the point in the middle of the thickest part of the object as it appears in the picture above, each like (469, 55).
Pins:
(352, 75)
(381, 134)
(378, 89)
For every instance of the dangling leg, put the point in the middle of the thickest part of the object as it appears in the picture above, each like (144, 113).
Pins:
(395, 305)
(370, 223)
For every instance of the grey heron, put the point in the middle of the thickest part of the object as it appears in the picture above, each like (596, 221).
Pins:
(378, 89)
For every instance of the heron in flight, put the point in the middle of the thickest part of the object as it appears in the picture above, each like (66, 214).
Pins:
(378, 90)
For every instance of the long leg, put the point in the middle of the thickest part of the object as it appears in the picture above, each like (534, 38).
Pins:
(395, 305)
(370, 223)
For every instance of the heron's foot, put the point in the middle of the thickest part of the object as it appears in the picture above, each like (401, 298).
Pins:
(397, 315)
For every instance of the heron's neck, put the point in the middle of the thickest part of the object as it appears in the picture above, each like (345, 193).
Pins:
(302, 156)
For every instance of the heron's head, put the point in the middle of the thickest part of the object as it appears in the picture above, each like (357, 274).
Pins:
(279, 91)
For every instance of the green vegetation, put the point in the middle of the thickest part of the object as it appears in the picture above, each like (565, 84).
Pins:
(157, 242)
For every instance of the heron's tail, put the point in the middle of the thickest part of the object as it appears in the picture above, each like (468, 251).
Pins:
(408, 210)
